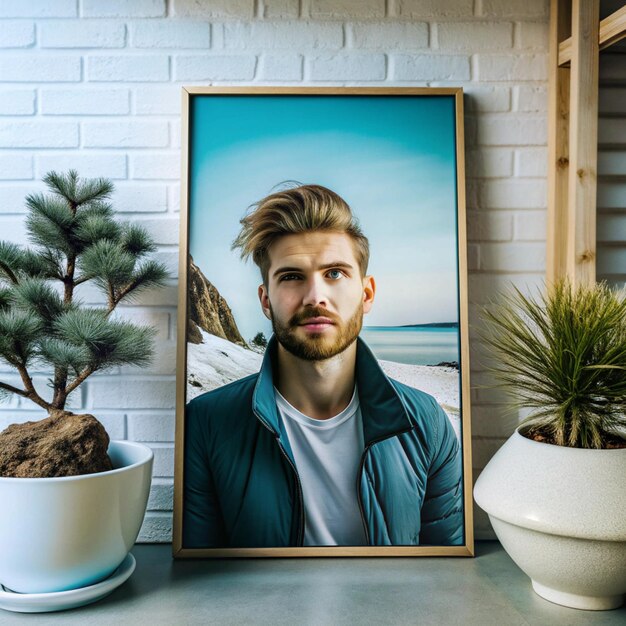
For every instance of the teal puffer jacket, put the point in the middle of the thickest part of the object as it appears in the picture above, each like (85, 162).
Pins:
(241, 486)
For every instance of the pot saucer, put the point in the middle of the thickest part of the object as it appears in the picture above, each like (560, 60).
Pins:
(62, 600)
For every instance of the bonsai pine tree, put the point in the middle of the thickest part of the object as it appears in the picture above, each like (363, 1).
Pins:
(42, 323)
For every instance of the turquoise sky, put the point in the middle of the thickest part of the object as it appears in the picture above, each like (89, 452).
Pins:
(392, 158)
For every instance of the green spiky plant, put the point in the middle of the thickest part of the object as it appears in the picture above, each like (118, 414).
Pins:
(563, 354)
(42, 324)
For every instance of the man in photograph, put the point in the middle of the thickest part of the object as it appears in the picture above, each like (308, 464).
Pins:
(320, 448)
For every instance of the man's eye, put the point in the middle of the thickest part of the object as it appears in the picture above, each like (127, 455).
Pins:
(335, 274)
(289, 277)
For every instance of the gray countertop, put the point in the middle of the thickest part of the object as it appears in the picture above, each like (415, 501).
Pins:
(488, 589)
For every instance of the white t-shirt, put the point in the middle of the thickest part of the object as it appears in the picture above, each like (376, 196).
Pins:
(328, 455)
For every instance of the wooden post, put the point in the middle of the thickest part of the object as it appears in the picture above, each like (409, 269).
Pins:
(583, 142)
(558, 143)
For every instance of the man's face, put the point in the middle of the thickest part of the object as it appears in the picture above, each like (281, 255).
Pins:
(315, 295)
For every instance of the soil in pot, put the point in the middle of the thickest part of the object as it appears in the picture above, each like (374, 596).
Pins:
(62, 444)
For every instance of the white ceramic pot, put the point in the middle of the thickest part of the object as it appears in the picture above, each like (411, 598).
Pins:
(65, 533)
(560, 513)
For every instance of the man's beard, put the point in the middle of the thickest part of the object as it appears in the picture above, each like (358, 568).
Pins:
(316, 346)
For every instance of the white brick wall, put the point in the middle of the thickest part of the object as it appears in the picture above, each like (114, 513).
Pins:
(95, 85)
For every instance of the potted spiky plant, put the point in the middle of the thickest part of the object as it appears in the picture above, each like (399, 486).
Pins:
(555, 492)
(72, 501)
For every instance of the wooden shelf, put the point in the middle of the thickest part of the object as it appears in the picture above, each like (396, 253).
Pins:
(612, 29)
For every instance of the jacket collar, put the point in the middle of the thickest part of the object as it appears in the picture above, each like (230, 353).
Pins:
(383, 411)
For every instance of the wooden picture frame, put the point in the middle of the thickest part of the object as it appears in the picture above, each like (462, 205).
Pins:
(238, 144)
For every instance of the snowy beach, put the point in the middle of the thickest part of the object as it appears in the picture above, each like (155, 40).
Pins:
(217, 362)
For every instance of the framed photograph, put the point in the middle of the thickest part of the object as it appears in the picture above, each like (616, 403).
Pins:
(323, 363)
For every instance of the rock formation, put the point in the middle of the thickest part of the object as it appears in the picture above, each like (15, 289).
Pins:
(207, 309)
(63, 444)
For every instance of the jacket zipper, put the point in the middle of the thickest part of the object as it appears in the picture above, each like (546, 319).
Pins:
(358, 477)
(298, 483)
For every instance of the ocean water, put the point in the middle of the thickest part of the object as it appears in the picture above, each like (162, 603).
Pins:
(413, 345)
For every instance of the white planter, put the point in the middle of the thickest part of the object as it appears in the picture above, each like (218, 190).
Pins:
(64, 533)
(560, 513)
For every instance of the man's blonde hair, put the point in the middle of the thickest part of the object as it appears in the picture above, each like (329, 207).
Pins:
(302, 209)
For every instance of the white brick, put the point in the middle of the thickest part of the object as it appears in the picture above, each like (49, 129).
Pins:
(423, 68)
(487, 99)
(611, 229)
(509, 130)
(512, 67)
(513, 194)
(241, 9)
(161, 495)
(158, 100)
(171, 34)
(474, 35)
(85, 101)
(82, 34)
(38, 8)
(272, 9)
(531, 162)
(284, 67)
(348, 67)
(514, 8)
(483, 288)
(531, 99)
(530, 226)
(17, 101)
(489, 226)
(159, 320)
(13, 229)
(12, 197)
(133, 134)
(360, 9)
(114, 424)
(612, 131)
(390, 35)
(207, 67)
(173, 198)
(17, 34)
(155, 166)
(489, 163)
(296, 35)
(164, 230)
(611, 100)
(513, 257)
(140, 198)
(156, 528)
(532, 35)
(123, 8)
(163, 362)
(132, 394)
(164, 296)
(175, 134)
(163, 460)
(151, 427)
(170, 260)
(88, 165)
(38, 134)
(27, 69)
(16, 166)
(435, 8)
(128, 68)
